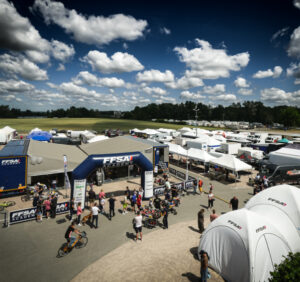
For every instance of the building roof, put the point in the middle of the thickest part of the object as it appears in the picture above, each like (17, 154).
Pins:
(146, 141)
(47, 158)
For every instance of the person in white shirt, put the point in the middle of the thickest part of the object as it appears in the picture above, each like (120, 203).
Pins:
(95, 211)
(211, 199)
(138, 222)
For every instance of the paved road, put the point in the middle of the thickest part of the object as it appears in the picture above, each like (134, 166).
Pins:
(28, 250)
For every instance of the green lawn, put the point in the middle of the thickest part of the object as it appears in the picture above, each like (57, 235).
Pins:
(98, 124)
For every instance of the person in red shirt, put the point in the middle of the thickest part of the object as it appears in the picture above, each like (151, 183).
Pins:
(139, 202)
(213, 216)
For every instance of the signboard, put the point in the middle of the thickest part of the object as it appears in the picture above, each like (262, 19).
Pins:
(30, 214)
(148, 188)
(67, 181)
(190, 184)
(79, 191)
(159, 190)
(13, 172)
(180, 174)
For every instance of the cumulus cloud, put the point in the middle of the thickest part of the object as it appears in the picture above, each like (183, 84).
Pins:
(280, 97)
(185, 83)
(165, 30)
(61, 67)
(269, 73)
(229, 98)
(155, 76)
(241, 82)
(12, 85)
(154, 90)
(163, 99)
(119, 62)
(97, 30)
(187, 95)
(294, 45)
(217, 89)
(245, 92)
(19, 65)
(62, 51)
(208, 63)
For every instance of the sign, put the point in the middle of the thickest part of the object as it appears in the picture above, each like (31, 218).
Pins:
(179, 174)
(116, 161)
(79, 191)
(11, 162)
(148, 188)
(189, 184)
(159, 190)
(30, 214)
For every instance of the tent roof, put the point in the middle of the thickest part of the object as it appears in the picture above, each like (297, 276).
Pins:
(8, 129)
(35, 129)
(47, 158)
(230, 162)
(39, 136)
(97, 138)
(199, 155)
(283, 140)
(177, 149)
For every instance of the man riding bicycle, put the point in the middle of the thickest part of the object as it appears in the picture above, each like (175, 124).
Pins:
(69, 233)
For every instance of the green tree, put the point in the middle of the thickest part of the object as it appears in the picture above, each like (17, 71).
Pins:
(288, 270)
(289, 116)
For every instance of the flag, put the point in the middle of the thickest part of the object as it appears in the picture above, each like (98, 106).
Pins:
(67, 181)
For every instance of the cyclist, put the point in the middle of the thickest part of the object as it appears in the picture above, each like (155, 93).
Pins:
(69, 233)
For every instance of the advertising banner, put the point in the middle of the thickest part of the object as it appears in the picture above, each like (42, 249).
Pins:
(148, 189)
(79, 191)
(67, 181)
(30, 214)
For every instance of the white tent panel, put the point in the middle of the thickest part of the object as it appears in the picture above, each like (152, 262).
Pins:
(199, 155)
(230, 162)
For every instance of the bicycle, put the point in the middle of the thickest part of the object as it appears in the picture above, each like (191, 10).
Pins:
(80, 242)
(6, 204)
(29, 195)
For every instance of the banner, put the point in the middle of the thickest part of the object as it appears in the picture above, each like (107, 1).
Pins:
(148, 188)
(67, 181)
(180, 174)
(30, 214)
(79, 191)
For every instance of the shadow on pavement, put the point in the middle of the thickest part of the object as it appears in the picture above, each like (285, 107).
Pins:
(194, 252)
(60, 221)
(193, 229)
(204, 206)
(130, 235)
(191, 276)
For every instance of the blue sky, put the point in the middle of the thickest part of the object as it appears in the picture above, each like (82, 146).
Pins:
(121, 54)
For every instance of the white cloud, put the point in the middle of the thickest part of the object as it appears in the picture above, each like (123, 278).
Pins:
(217, 89)
(241, 82)
(165, 30)
(38, 57)
(61, 67)
(97, 30)
(112, 82)
(280, 97)
(62, 51)
(269, 73)
(119, 62)
(154, 90)
(208, 63)
(15, 86)
(245, 92)
(155, 76)
(130, 94)
(185, 83)
(191, 95)
(279, 33)
(294, 45)
(229, 98)
(297, 3)
(19, 65)
(294, 70)
(163, 99)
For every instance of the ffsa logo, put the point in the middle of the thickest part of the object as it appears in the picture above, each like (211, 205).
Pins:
(117, 160)
(11, 162)
(234, 224)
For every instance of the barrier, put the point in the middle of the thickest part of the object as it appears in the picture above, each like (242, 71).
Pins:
(185, 185)
(180, 174)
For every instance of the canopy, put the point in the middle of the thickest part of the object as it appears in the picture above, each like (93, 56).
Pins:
(199, 155)
(281, 204)
(40, 136)
(177, 149)
(8, 129)
(244, 246)
(35, 129)
(230, 162)
(97, 138)
(283, 140)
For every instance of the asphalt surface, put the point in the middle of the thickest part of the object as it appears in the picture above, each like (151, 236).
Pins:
(29, 250)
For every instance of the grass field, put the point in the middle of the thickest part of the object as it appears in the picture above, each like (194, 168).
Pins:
(98, 124)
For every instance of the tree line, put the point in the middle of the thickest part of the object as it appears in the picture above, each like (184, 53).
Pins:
(251, 111)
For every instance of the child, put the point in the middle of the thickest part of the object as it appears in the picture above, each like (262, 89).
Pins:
(125, 204)
(79, 212)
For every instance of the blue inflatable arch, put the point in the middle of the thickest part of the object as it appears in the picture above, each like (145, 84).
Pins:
(94, 161)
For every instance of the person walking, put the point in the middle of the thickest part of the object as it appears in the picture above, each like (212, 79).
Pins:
(79, 212)
(127, 193)
(201, 220)
(95, 212)
(165, 213)
(200, 184)
(234, 203)
(157, 202)
(213, 216)
(39, 210)
(138, 222)
(92, 196)
(102, 205)
(204, 266)
(111, 206)
(211, 199)
(133, 201)
(125, 204)
(53, 206)
(47, 205)
(72, 208)
(101, 196)
(139, 202)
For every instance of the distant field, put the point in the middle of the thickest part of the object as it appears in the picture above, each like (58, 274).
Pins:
(98, 124)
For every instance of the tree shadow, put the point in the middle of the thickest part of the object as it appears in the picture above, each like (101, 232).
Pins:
(194, 252)
(191, 276)
(193, 229)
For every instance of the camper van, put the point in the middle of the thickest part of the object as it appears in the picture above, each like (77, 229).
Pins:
(277, 174)
(273, 138)
(258, 137)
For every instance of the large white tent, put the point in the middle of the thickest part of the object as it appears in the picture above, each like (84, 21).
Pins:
(199, 155)
(230, 162)
(281, 204)
(244, 246)
(177, 149)
(6, 134)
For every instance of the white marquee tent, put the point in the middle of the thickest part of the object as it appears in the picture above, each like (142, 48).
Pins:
(230, 162)
(199, 155)
(177, 149)
(244, 246)
(6, 134)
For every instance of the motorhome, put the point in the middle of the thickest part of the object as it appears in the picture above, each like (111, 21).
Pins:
(273, 138)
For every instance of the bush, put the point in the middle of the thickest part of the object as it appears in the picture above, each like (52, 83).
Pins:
(288, 270)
